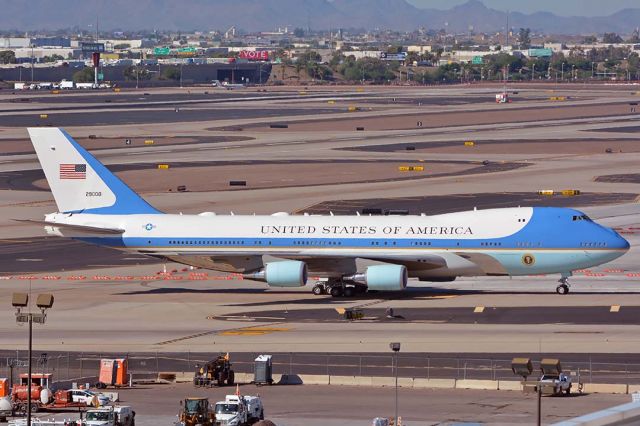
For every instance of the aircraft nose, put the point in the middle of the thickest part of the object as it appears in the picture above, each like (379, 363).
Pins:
(620, 243)
(624, 244)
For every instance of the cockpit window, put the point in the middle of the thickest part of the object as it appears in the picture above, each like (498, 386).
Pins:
(581, 217)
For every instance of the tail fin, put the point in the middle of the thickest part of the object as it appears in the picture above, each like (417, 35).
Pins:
(78, 181)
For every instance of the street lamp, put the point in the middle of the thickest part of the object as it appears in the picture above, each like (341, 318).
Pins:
(20, 301)
(562, 73)
(395, 347)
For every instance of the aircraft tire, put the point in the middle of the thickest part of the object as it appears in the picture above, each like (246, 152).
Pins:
(318, 290)
(336, 291)
(562, 289)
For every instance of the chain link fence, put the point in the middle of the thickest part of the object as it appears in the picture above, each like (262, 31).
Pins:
(74, 366)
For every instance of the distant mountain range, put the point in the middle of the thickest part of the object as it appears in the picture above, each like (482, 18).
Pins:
(264, 15)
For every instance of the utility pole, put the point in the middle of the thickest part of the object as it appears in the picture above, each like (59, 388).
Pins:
(507, 29)
(32, 60)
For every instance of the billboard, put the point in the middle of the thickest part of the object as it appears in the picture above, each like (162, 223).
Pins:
(92, 47)
(393, 56)
(252, 55)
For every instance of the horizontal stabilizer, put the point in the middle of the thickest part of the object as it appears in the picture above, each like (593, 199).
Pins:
(76, 230)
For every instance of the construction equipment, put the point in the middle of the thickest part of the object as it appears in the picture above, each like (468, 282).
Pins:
(196, 411)
(215, 372)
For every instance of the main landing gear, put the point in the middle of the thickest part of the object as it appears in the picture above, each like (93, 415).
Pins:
(337, 289)
(563, 287)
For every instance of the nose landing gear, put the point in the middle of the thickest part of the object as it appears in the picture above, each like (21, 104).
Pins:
(563, 287)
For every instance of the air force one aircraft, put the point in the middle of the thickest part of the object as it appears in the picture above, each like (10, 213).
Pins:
(350, 253)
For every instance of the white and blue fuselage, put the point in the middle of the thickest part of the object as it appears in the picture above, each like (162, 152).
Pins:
(375, 252)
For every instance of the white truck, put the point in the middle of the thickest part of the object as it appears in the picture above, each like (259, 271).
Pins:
(238, 410)
(86, 86)
(66, 84)
(120, 415)
(556, 384)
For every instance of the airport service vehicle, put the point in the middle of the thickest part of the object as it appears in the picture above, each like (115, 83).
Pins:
(66, 84)
(110, 416)
(237, 410)
(217, 371)
(19, 86)
(557, 384)
(44, 399)
(553, 380)
(196, 411)
(352, 253)
(6, 408)
(89, 398)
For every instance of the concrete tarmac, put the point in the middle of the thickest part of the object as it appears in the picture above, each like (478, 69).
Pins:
(125, 307)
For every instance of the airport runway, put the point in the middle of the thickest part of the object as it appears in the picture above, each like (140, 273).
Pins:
(107, 301)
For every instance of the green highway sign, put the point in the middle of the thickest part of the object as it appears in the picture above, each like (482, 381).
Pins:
(159, 51)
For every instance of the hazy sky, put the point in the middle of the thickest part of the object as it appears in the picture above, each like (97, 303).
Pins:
(559, 7)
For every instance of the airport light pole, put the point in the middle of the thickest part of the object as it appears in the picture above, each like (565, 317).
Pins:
(533, 72)
(20, 301)
(562, 73)
(395, 347)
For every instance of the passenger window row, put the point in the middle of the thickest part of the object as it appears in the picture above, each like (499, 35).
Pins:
(593, 244)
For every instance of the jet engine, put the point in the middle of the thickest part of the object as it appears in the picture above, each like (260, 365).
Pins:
(383, 277)
(287, 273)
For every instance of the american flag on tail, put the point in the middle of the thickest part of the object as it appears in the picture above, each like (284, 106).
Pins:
(73, 171)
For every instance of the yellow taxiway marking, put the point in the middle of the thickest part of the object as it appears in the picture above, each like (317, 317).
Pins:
(253, 331)
(615, 308)
(478, 310)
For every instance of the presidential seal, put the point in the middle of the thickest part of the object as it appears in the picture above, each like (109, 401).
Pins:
(528, 259)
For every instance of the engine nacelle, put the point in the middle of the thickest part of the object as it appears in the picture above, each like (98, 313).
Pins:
(383, 277)
(287, 273)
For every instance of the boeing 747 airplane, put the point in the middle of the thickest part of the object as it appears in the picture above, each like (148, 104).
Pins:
(350, 253)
